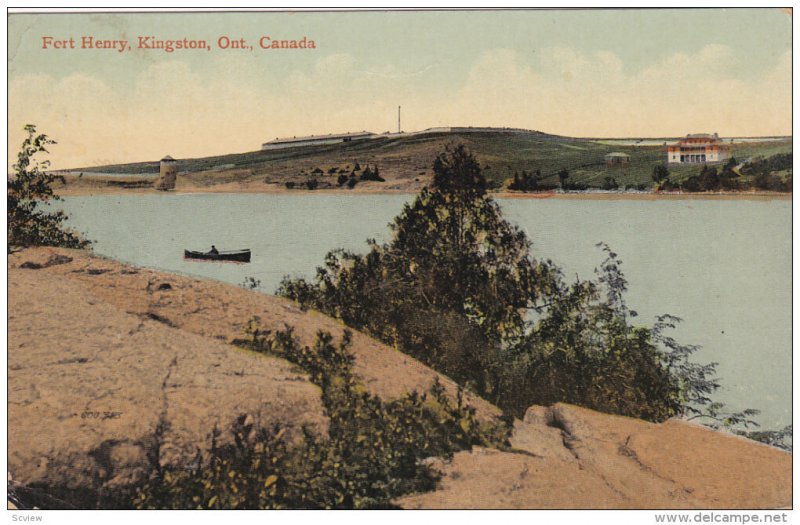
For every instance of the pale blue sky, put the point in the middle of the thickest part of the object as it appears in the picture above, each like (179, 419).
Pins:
(581, 72)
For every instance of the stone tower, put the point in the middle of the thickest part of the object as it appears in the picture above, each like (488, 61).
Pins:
(168, 172)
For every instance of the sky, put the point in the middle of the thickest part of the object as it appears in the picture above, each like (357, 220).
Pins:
(584, 73)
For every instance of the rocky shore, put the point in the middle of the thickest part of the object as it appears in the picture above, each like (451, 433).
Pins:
(113, 369)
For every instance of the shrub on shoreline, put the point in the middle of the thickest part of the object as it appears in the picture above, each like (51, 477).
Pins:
(29, 192)
(458, 288)
(373, 452)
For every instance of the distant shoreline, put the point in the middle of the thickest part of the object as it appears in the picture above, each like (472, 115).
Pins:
(237, 189)
(405, 168)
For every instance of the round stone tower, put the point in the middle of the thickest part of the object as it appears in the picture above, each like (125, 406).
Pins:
(168, 172)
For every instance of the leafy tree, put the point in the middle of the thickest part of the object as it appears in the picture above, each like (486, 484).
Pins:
(454, 284)
(610, 183)
(728, 178)
(692, 184)
(769, 174)
(661, 177)
(765, 181)
(30, 190)
(709, 179)
(371, 174)
(527, 182)
(458, 288)
(342, 179)
(660, 173)
(771, 182)
(779, 162)
(563, 175)
(584, 350)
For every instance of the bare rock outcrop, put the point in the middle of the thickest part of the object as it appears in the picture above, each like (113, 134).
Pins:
(220, 311)
(95, 391)
(113, 369)
(567, 457)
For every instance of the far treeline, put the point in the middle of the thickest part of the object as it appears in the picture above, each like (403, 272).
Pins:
(764, 174)
(526, 162)
(772, 173)
(347, 177)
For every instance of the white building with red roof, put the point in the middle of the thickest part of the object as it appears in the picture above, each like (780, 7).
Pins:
(698, 148)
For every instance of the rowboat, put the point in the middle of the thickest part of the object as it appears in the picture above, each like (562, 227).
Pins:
(242, 256)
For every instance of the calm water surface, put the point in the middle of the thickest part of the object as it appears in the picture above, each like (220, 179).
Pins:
(722, 266)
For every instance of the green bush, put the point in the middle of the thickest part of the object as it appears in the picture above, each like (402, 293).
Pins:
(373, 452)
(779, 162)
(372, 174)
(760, 174)
(526, 181)
(610, 183)
(584, 350)
(458, 288)
(30, 190)
(776, 438)
(772, 182)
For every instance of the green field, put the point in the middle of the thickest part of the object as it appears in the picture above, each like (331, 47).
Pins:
(406, 158)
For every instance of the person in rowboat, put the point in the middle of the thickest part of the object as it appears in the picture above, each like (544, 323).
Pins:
(214, 250)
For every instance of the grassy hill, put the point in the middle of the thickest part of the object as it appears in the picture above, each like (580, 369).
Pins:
(405, 161)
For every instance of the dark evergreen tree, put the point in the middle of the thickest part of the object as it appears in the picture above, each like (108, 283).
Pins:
(563, 175)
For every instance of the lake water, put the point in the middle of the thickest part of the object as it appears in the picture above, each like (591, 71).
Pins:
(724, 266)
